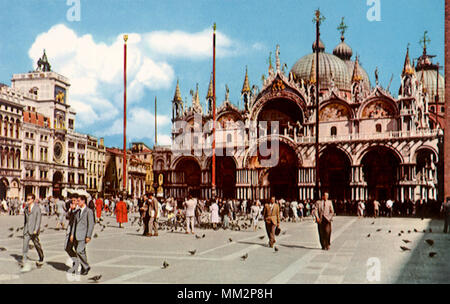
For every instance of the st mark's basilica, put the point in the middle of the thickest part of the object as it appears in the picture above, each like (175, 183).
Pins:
(372, 144)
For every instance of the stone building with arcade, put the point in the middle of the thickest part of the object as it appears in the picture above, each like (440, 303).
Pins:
(371, 144)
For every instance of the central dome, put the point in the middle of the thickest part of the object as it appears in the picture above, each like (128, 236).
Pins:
(331, 68)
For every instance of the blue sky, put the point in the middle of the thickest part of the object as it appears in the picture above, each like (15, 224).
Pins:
(171, 40)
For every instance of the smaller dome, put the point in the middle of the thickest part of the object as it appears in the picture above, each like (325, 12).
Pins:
(343, 50)
(321, 46)
(429, 84)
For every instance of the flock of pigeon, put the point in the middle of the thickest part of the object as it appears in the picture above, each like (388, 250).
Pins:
(430, 242)
(234, 226)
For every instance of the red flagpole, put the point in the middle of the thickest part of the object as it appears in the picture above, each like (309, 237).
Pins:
(125, 38)
(214, 116)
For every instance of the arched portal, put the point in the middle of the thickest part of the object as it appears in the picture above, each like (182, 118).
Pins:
(380, 166)
(283, 178)
(57, 183)
(189, 174)
(225, 176)
(283, 111)
(334, 173)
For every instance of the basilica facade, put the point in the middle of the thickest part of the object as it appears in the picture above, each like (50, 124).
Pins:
(371, 144)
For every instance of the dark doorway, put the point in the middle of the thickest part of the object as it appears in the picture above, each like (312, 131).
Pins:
(57, 183)
(283, 177)
(334, 173)
(3, 189)
(226, 176)
(380, 172)
(190, 173)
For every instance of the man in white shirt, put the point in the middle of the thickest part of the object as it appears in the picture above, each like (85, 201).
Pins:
(190, 205)
(389, 205)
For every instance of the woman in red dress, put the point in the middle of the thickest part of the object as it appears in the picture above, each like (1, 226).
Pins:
(121, 212)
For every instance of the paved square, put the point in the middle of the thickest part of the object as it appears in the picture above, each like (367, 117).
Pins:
(124, 256)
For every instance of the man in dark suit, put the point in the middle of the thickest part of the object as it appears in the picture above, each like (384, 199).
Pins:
(145, 214)
(445, 209)
(323, 214)
(32, 224)
(71, 214)
(82, 234)
(271, 215)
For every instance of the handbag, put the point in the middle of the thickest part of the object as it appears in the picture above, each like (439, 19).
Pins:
(277, 231)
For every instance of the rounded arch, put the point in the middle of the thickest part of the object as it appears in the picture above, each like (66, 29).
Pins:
(188, 173)
(180, 158)
(426, 148)
(252, 150)
(397, 154)
(289, 96)
(378, 107)
(335, 110)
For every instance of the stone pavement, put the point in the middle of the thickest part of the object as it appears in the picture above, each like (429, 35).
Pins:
(124, 256)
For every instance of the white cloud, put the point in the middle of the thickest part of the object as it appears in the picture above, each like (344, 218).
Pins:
(196, 45)
(95, 71)
(140, 124)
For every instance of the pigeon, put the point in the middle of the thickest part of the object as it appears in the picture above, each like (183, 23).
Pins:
(192, 252)
(401, 231)
(42, 231)
(399, 234)
(203, 236)
(404, 248)
(2, 249)
(17, 230)
(409, 231)
(165, 265)
(46, 225)
(11, 235)
(424, 231)
(368, 235)
(138, 230)
(11, 229)
(379, 229)
(261, 237)
(406, 241)
(373, 223)
(283, 233)
(429, 242)
(230, 239)
(389, 231)
(244, 257)
(198, 237)
(95, 235)
(275, 248)
(415, 230)
(95, 278)
(432, 254)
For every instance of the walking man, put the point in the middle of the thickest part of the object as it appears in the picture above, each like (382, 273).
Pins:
(272, 219)
(82, 234)
(153, 208)
(72, 212)
(445, 209)
(190, 205)
(32, 224)
(323, 214)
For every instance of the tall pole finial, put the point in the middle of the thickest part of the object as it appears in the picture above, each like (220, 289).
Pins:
(214, 27)
(342, 28)
(425, 40)
(125, 38)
